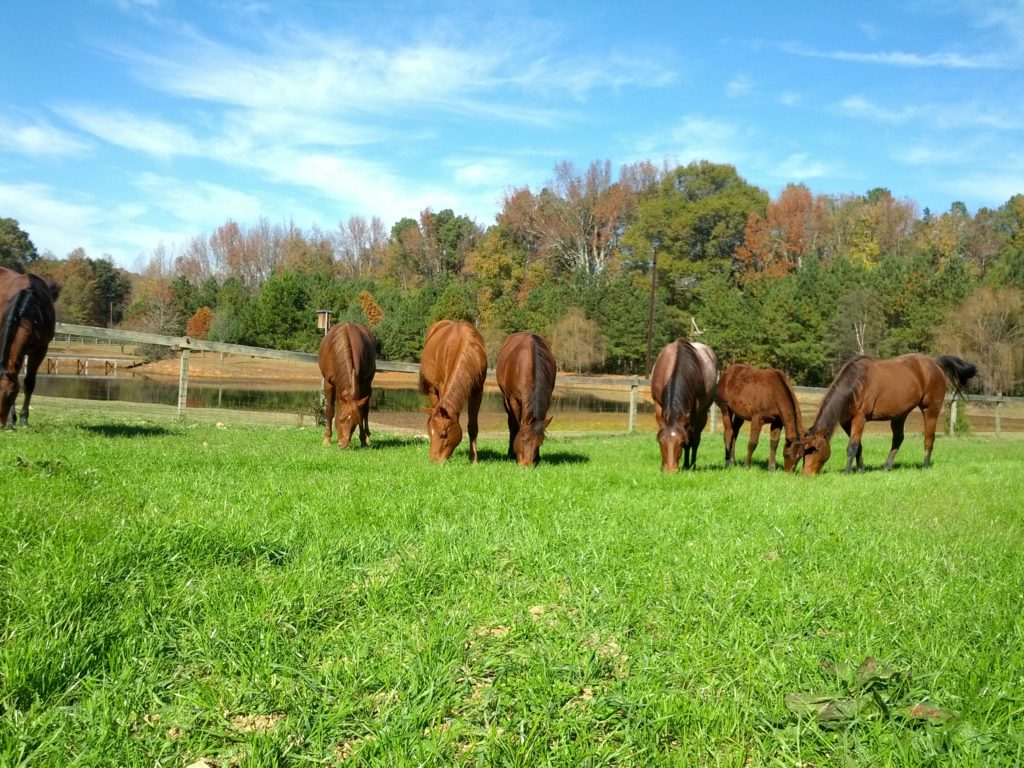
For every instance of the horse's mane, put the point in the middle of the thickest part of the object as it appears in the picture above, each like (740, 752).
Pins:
(341, 349)
(543, 378)
(679, 397)
(839, 393)
(465, 377)
(787, 386)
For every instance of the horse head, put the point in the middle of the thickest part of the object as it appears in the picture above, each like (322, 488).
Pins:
(816, 452)
(672, 438)
(792, 453)
(445, 432)
(528, 441)
(347, 419)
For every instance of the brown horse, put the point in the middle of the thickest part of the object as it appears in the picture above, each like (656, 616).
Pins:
(526, 377)
(683, 385)
(453, 368)
(27, 319)
(760, 396)
(882, 390)
(348, 362)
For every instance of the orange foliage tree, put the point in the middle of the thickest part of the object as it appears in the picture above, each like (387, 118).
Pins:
(198, 326)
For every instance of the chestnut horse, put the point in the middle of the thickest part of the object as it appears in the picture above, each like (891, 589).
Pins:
(882, 390)
(348, 362)
(683, 385)
(27, 320)
(526, 377)
(452, 372)
(760, 396)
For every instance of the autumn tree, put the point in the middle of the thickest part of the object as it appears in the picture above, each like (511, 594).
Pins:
(374, 314)
(776, 242)
(577, 341)
(988, 330)
(198, 326)
(359, 246)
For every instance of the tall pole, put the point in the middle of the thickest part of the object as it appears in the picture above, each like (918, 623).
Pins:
(650, 308)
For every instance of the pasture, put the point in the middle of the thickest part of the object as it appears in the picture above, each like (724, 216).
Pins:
(181, 594)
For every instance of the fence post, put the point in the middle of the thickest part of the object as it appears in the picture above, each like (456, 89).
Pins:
(634, 395)
(183, 384)
(952, 417)
(999, 405)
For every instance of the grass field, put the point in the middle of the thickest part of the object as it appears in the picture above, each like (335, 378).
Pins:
(179, 594)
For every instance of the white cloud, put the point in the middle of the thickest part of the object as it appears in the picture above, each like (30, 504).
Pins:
(740, 85)
(38, 139)
(939, 116)
(800, 167)
(941, 60)
(132, 131)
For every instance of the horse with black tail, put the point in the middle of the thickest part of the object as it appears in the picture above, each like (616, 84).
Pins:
(28, 320)
(882, 390)
(683, 386)
(526, 377)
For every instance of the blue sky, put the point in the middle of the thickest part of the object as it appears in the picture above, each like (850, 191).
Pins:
(130, 124)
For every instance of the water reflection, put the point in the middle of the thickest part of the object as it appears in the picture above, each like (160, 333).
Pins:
(138, 389)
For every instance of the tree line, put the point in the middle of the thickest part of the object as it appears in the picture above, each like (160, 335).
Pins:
(608, 267)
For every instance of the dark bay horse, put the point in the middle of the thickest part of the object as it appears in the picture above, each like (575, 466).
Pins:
(453, 368)
(760, 396)
(526, 377)
(348, 362)
(882, 390)
(27, 320)
(683, 385)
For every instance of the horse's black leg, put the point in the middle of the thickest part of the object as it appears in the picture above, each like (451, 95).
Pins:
(897, 440)
(30, 385)
(775, 428)
(513, 430)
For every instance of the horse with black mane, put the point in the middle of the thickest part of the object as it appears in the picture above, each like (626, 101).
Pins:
(866, 390)
(453, 368)
(760, 396)
(348, 363)
(27, 321)
(526, 377)
(683, 386)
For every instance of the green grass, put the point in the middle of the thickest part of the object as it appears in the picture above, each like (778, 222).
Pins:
(176, 592)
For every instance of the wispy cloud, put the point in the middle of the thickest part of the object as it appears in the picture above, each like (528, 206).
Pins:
(740, 85)
(132, 131)
(942, 59)
(38, 138)
(939, 116)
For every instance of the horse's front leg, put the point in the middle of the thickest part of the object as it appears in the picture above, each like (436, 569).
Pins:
(364, 423)
(855, 430)
(475, 398)
(755, 436)
(897, 440)
(329, 414)
(513, 429)
(774, 435)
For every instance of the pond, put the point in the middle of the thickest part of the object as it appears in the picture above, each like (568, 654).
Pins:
(139, 389)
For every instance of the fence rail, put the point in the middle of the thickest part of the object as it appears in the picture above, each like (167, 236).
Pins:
(186, 344)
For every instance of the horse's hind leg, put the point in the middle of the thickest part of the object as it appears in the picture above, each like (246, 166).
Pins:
(364, 423)
(931, 418)
(8, 394)
(730, 426)
(34, 361)
(475, 398)
(897, 441)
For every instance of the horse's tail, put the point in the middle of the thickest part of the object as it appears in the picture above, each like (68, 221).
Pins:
(958, 370)
(16, 310)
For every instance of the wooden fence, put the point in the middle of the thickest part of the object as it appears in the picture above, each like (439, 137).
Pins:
(185, 345)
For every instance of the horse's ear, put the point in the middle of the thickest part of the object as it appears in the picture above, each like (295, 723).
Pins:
(443, 412)
(427, 409)
(547, 421)
(362, 401)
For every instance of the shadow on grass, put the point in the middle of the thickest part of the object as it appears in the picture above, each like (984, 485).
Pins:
(487, 455)
(127, 430)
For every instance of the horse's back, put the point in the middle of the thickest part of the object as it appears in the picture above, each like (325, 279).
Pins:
(897, 385)
(347, 357)
(453, 349)
(525, 361)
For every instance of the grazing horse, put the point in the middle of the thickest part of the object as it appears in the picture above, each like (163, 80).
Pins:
(760, 396)
(683, 385)
(526, 377)
(453, 368)
(882, 390)
(27, 320)
(348, 362)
